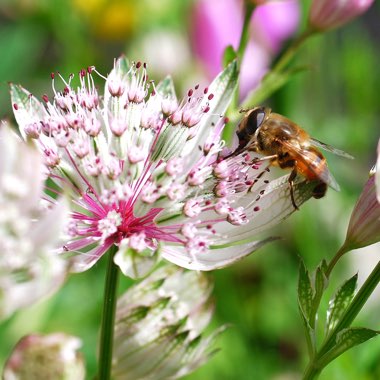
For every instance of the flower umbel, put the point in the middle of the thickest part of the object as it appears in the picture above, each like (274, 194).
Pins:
(158, 327)
(29, 229)
(150, 173)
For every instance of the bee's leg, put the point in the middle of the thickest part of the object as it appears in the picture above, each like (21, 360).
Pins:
(291, 179)
(271, 158)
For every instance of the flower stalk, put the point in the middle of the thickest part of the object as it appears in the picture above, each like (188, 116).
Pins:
(108, 317)
(279, 74)
(341, 251)
(292, 50)
(244, 38)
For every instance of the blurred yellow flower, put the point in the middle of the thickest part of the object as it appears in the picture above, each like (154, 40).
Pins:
(113, 20)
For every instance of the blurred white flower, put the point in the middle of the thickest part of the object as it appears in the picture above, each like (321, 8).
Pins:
(50, 357)
(28, 230)
(166, 50)
(158, 327)
(150, 174)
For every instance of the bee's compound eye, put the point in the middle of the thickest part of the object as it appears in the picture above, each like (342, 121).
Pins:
(255, 119)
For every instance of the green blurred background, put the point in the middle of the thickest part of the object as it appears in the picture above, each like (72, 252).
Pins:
(337, 101)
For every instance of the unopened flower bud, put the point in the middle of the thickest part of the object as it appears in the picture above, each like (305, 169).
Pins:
(364, 226)
(330, 14)
(52, 356)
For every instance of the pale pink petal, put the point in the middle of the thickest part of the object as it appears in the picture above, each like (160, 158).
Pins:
(214, 259)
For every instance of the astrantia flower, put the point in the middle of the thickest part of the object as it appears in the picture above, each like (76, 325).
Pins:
(53, 356)
(149, 173)
(158, 327)
(28, 229)
(329, 14)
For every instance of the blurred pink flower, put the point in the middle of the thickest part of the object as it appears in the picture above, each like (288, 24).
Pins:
(330, 14)
(217, 24)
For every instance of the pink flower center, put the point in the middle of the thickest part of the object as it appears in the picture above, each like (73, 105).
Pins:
(111, 223)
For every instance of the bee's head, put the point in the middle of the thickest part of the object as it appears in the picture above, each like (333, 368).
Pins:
(251, 122)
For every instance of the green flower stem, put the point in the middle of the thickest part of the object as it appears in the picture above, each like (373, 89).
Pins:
(292, 50)
(108, 317)
(322, 358)
(342, 250)
(312, 372)
(278, 75)
(244, 38)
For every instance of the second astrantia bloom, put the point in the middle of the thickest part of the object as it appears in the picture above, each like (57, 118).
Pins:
(29, 227)
(149, 173)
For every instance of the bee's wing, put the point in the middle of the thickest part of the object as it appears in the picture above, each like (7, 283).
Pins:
(329, 148)
(326, 177)
(312, 161)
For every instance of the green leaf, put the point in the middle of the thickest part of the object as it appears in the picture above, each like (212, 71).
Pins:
(166, 88)
(305, 304)
(229, 55)
(339, 303)
(320, 282)
(309, 334)
(305, 292)
(346, 339)
(26, 107)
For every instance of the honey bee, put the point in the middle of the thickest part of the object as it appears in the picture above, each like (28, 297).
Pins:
(288, 146)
